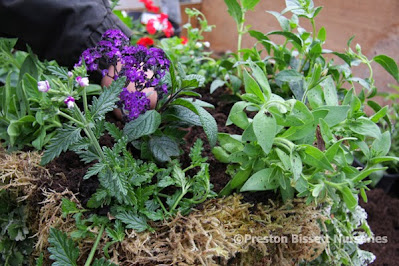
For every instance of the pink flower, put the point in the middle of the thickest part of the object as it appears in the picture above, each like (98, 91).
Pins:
(43, 86)
(70, 102)
(83, 82)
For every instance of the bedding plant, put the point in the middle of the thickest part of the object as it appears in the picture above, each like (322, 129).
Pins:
(298, 119)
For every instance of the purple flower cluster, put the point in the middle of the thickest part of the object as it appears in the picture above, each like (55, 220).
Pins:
(135, 103)
(141, 66)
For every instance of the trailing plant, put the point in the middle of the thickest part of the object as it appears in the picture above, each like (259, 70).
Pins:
(300, 126)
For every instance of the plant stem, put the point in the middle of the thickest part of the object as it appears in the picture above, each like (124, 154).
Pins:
(178, 200)
(71, 118)
(240, 28)
(314, 28)
(86, 109)
(94, 248)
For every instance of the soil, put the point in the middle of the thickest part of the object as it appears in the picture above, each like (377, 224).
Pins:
(383, 218)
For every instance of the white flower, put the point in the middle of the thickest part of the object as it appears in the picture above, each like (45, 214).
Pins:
(43, 86)
(70, 102)
(70, 74)
(207, 44)
(198, 45)
(83, 82)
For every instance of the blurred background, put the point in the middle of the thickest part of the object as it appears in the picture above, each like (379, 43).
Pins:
(375, 25)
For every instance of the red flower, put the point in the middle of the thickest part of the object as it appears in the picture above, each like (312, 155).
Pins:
(145, 41)
(150, 27)
(168, 31)
(149, 5)
(184, 40)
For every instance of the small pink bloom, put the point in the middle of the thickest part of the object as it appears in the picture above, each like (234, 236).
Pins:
(70, 102)
(43, 86)
(83, 82)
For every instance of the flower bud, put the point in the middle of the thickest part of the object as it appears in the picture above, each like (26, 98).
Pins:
(207, 44)
(70, 74)
(43, 86)
(198, 45)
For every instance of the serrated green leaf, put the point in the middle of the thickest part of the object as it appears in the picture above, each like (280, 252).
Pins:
(64, 138)
(63, 250)
(113, 130)
(133, 221)
(94, 170)
(145, 124)
(106, 102)
(69, 207)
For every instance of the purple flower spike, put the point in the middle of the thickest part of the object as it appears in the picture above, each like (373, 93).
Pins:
(70, 102)
(82, 82)
(43, 86)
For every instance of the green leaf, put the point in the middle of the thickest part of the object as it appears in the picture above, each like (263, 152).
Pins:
(234, 10)
(106, 102)
(94, 170)
(322, 34)
(380, 147)
(388, 64)
(64, 138)
(207, 120)
(314, 157)
(237, 115)
(249, 4)
(289, 75)
(252, 87)
(330, 91)
(144, 125)
(240, 177)
(63, 250)
(163, 148)
(336, 114)
(229, 143)
(261, 78)
(220, 154)
(296, 165)
(365, 173)
(133, 221)
(217, 83)
(365, 127)
(69, 207)
(381, 159)
(284, 22)
(259, 181)
(296, 41)
(114, 131)
(350, 200)
(264, 125)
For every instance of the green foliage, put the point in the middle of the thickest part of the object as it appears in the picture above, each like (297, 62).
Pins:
(16, 243)
(63, 250)
(301, 126)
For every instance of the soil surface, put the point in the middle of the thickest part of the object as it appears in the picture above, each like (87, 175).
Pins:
(383, 218)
